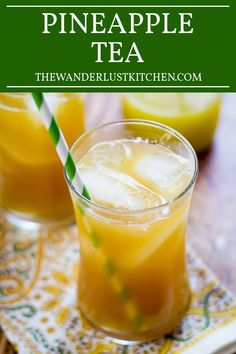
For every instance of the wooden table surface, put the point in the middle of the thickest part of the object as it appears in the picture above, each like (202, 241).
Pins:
(212, 224)
(212, 228)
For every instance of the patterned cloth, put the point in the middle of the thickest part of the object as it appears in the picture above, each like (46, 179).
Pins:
(38, 272)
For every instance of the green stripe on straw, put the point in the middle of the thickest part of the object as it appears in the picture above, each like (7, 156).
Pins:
(38, 98)
(54, 132)
(60, 143)
(70, 167)
(74, 176)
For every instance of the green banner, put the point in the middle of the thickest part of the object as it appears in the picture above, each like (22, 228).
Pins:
(118, 46)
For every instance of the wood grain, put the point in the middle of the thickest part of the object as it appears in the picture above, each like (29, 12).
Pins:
(5, 346)
(212, 226)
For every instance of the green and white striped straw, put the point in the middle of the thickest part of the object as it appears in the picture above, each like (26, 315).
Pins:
(70, 167)
(60, 143)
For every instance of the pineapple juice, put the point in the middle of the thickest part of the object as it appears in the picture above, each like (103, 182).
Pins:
(32, 184)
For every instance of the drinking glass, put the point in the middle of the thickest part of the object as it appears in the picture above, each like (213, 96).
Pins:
(32, 185)
(133, 281)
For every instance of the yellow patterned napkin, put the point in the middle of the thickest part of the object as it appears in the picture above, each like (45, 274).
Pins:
(38, 313)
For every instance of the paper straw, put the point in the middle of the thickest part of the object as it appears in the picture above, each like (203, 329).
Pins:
(60, 143)
(70, 167)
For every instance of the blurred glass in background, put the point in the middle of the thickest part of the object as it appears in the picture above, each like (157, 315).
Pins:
(195, 115)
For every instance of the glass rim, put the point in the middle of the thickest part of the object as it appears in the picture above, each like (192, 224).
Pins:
(139, 211)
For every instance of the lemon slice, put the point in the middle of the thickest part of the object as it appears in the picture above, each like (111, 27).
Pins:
(170, 104)
(151, 244)
(194, 115)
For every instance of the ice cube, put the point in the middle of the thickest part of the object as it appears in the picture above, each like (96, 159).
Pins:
(164, 171)
(118, 190)
(109, 154)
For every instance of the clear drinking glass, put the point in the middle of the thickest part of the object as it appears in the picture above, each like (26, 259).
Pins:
(32, 185)
(133, 281)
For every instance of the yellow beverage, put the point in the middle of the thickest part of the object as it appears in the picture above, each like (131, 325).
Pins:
(133, 281)
(32, 183)
(195, 115)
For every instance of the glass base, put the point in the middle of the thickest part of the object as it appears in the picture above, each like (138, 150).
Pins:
(127, 338)
(27, 222)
